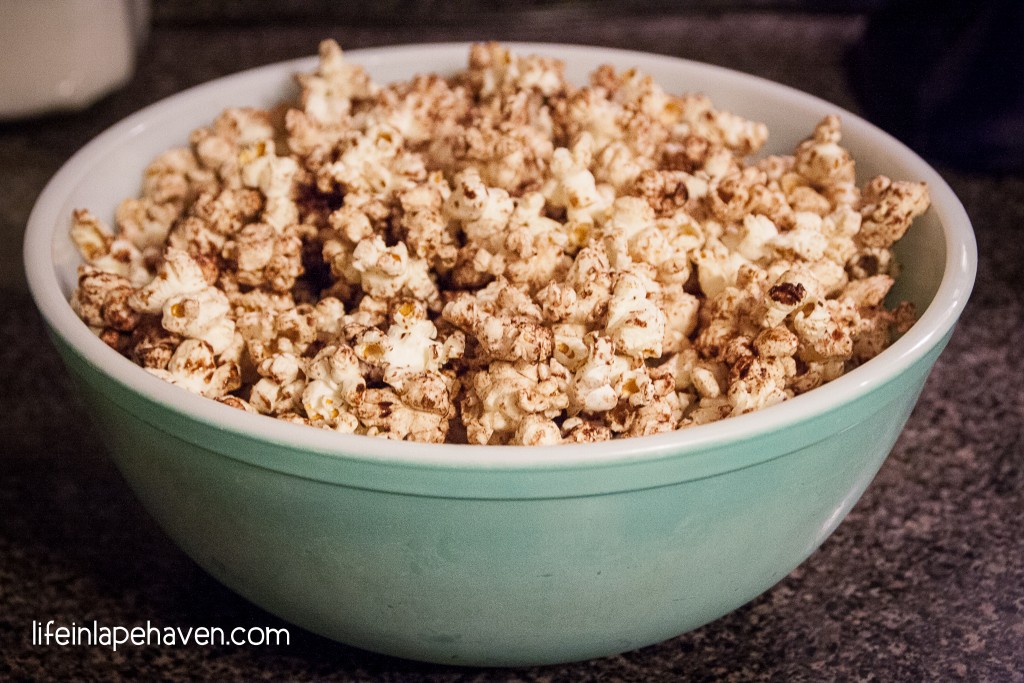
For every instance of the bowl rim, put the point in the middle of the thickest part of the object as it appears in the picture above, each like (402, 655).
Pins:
(931, 328)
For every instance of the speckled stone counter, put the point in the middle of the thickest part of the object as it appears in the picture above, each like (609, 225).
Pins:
(923, 581)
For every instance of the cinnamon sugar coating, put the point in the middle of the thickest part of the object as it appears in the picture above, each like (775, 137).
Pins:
(498, 256)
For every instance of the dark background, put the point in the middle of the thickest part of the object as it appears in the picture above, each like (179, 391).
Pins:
(923, 581)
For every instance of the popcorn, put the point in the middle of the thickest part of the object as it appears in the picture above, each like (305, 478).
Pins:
(219, 148)
(179, 273)
(409, 360)
(374, 161)
(759, 382)
(776, 342)
(201, 315)
(500, 397)
(105, 252)
(717, 266)
(584, 295)
(412, 346)
(534, 244)
(821, 160)
(237, 403)
(101, 300)
(578, 430)
(424, 227)
(274, 177)
(497, 257)
(292, 330)
(789, 293)
(281, 385)
(335, 386)
(635, 323)
(535, 430)
(740, 136)
(386, 272)
(167, 178)
(606, 380)
(418, 108)
(329, 93)
(888, 210)
(384, 413)
(572, 186)
(662, 412)
(593, 389)
(266, 256)
(681, 310)
(589, 110)
(619, 166)
(151, 346)
(494, 70)
(503, 321)
(820, 334)
(194, 367)
(512, 158)
(146, 223)
(189, 306)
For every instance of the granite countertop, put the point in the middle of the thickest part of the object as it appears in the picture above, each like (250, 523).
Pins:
(923, 581)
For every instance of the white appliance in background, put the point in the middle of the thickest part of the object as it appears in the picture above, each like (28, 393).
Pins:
(66, 54)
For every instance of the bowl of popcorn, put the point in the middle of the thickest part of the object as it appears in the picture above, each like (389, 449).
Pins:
(498, 355)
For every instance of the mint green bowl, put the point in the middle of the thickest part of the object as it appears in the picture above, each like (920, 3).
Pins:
(499, 555)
